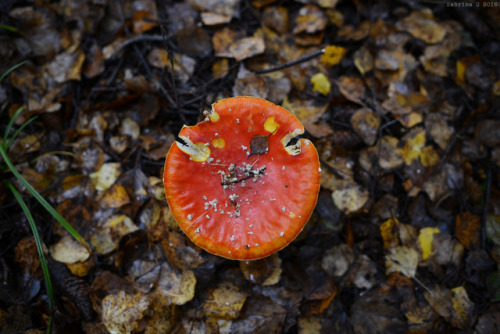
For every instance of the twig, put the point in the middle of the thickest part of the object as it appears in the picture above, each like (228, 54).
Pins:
(137, 39)
(291, 63)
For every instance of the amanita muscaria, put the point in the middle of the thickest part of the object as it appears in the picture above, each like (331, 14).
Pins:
(238, 186)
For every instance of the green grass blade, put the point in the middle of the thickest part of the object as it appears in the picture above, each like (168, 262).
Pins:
(11, 139)
(39, 247)
(6, 73)
(9, 126)
(9, 28)
(42, 200)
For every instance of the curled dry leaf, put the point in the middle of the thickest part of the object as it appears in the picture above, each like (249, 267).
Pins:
(69, 251)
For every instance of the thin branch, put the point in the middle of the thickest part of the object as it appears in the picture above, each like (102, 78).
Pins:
(291, 63)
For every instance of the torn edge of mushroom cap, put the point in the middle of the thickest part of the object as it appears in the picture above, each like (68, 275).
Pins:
(198, 152)
(296, 148)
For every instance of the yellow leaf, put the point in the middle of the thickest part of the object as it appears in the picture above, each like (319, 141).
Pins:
(389, 233)
(429, 156)
(496, 88)
(105, 176)
(425, 238)
(321, 84)
(333, 55)
(460, 77)
(462, 306)
(413, 147)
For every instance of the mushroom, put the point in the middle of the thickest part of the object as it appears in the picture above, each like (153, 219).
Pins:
(240, 184)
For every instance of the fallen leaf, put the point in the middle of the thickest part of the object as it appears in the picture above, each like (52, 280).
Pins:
(421, 24)
(429, 157)
(106, 176)
(176, 285)
(66, 66)
(213, 19)
(115, 197)
(496, 88)
(140, 20)
(363, 60)
(366, 125)
(414, 142)
(247, 47)
(351, 199)
(352, 88)
(333, 55)
(321, 84)
(463, 307)
(225, 301)
(390, 155)
(266, 271)
(425, 238)
(122, 312)
(440, 300)
(403, 260)
(106, 238)
(310, 20)
(438, 129)
(337, 260)
(158, 58)
(69, 251)
(305, 110)
(389, 233)
(468, 229)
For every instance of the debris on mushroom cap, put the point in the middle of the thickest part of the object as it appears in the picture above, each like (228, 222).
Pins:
(237, 185)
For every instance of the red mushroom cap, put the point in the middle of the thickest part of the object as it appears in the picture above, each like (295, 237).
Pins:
(237, 187)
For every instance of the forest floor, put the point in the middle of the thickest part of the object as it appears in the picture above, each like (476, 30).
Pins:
(400, 98)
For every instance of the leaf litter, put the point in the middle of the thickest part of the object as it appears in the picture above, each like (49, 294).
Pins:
(401, 102)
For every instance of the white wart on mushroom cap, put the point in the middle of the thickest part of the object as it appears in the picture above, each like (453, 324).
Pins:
(236, 186)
